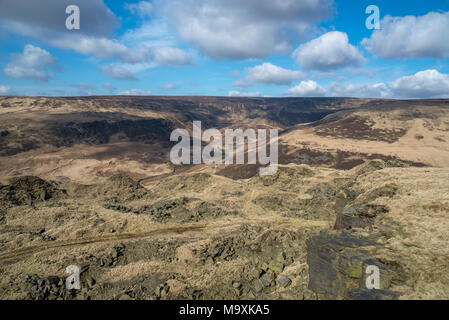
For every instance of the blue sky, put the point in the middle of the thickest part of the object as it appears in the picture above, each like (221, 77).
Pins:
(225, 47)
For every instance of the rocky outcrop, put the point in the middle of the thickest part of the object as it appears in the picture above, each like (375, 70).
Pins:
(28, 190)
(120, 188)
(338, 259)
(361, 216)
(337, 267)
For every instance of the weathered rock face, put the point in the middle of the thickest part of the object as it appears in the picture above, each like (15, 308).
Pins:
(337, 267)
(338, 260)
(361, 216)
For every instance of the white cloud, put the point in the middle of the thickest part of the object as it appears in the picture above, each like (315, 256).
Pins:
(235, 93)
(46, 20)
(269, 74)
(118, 72)
(108, 49)
(97, 23)
(142, 8)
(170, 56)
(33, 63)
(411, 37)
(423, 84)
(101, 48)
(136, 92)
(377, 90)
(236, 29)
(152, 33)
(330, 51)
(168, 86)
(6, 91)
(307, 88)
(143, 59)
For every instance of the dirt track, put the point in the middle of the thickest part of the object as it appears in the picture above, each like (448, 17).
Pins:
(7, 258)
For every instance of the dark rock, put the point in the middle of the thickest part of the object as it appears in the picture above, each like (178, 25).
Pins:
(47, 288)
(267, 279)
(47, 237)
(363, 216)
(283, 281)
(337, 263)
(28, 190)
(367, 294)
(258, 285)
(117, 207)
(90, 282)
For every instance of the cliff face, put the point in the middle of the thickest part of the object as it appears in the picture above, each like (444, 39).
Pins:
(338, 264)
(340, 260)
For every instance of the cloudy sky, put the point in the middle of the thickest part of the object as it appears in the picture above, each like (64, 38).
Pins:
(273, 48)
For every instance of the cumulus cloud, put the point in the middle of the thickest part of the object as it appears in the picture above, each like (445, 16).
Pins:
(33, 63)
(144, 59)
(170, 56)
(168, 86)
(268, 73)
(411, 37)
(108, 49)
(235, 93)
(423, 84)
(118, 72)
(377, 90)
(97, 23)
(307, 88)
(136, 92)
(21, 16)
(101, 48)
(6, 91)
(330, 51)
(235, 29)
(142, 8)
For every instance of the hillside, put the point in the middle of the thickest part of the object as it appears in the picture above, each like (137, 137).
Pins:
(88, 182)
